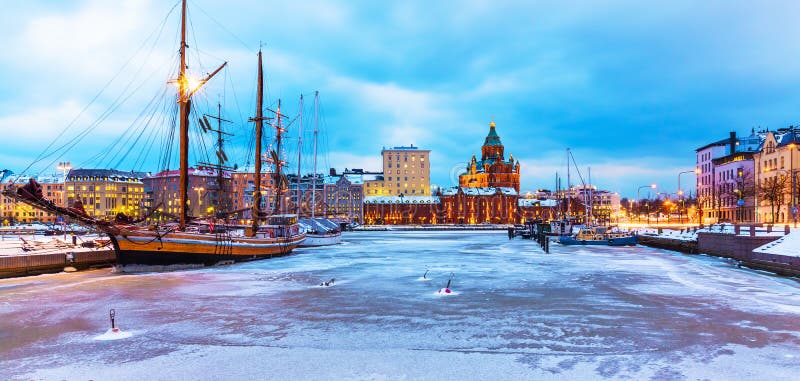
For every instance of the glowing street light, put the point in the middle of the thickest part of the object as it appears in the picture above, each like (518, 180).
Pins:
(696, 171)
(653, 186)
(64, 166)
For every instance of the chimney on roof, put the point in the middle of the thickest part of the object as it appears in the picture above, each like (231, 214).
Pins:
(333, 172)
(732, 142)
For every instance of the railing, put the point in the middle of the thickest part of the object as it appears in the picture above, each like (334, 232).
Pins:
(751, 230)
(15, 232)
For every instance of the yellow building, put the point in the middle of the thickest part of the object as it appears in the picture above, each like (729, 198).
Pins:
(12, 211)
(778, 159)
(406, 171)
(106, 192)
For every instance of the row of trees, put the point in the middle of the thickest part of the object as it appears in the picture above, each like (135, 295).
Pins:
(659, 205)
(772, 190)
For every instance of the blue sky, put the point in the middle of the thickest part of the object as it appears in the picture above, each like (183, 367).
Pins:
(631, 87)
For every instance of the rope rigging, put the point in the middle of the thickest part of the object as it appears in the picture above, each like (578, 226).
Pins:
(46, 152)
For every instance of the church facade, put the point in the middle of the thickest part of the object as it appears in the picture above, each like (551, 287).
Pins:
(492, 171)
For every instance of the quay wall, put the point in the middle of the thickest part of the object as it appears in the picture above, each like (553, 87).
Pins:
(733, 246)
(688, 247)
(730, 245)
(35, 264)
(430, 227)
(741, 248)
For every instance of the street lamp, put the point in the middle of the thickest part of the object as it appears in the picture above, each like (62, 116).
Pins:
(638, 198)
(792, 146)
(199, 203)
(64, 166)
(696, 171)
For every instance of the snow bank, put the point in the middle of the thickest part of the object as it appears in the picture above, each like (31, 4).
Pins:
(788, 245)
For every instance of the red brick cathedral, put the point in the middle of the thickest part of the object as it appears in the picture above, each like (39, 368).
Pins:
(492, 170)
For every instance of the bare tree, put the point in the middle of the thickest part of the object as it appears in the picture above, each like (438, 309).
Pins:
(741, 187)
(772, 190)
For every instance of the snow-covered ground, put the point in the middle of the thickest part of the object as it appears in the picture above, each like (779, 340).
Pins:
(691, 234)
(515, 313)
(37, 244)
(40, 227)
(788, 245)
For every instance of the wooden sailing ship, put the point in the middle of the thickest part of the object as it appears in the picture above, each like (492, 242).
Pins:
(187, 242)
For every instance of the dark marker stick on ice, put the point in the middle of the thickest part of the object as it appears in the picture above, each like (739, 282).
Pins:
(447, 288)
(111, 314)
(113, 333)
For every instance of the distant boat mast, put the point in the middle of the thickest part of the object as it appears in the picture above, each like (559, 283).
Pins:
(314, 176)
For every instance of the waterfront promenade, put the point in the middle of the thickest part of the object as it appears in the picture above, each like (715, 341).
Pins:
(515, 313)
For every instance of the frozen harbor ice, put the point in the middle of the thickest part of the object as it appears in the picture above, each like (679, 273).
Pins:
(514, 313)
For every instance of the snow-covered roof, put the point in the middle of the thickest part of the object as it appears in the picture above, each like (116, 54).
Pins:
(528, 202)
(401, 200)
(201, 172)
(12, 179)
(479, 191)
(113, 174)
(319, 225)
(354, 178)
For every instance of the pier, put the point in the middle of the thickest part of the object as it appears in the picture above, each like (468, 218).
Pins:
(21, 256)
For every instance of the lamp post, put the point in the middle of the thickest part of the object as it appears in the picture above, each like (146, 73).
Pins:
(792, 146)
(630, 210)
(64, 166)
(638, 198)
(696, 171)
(198, 189)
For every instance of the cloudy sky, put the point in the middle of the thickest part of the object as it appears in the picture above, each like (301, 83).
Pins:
(631, 87)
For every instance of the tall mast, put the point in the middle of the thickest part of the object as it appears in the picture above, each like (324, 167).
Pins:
(220, 153)
(259, 119)
(558, 197)
(314, 175)
(276, 157)
(183, 102)
(222, 158)
(590, 204)
(299, 154)
(569, 195)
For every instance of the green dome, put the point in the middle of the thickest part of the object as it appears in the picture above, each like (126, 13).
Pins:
(492, 139)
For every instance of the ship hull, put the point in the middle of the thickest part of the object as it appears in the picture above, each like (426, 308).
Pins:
(194, 249)
(322, 239)
(622, 241)
(149, 258)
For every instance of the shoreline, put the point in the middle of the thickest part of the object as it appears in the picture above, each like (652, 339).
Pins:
(378, 228)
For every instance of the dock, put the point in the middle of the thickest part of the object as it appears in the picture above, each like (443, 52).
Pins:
(23, 255)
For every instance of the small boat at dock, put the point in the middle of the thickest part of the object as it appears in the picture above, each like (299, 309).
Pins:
(600, 235)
